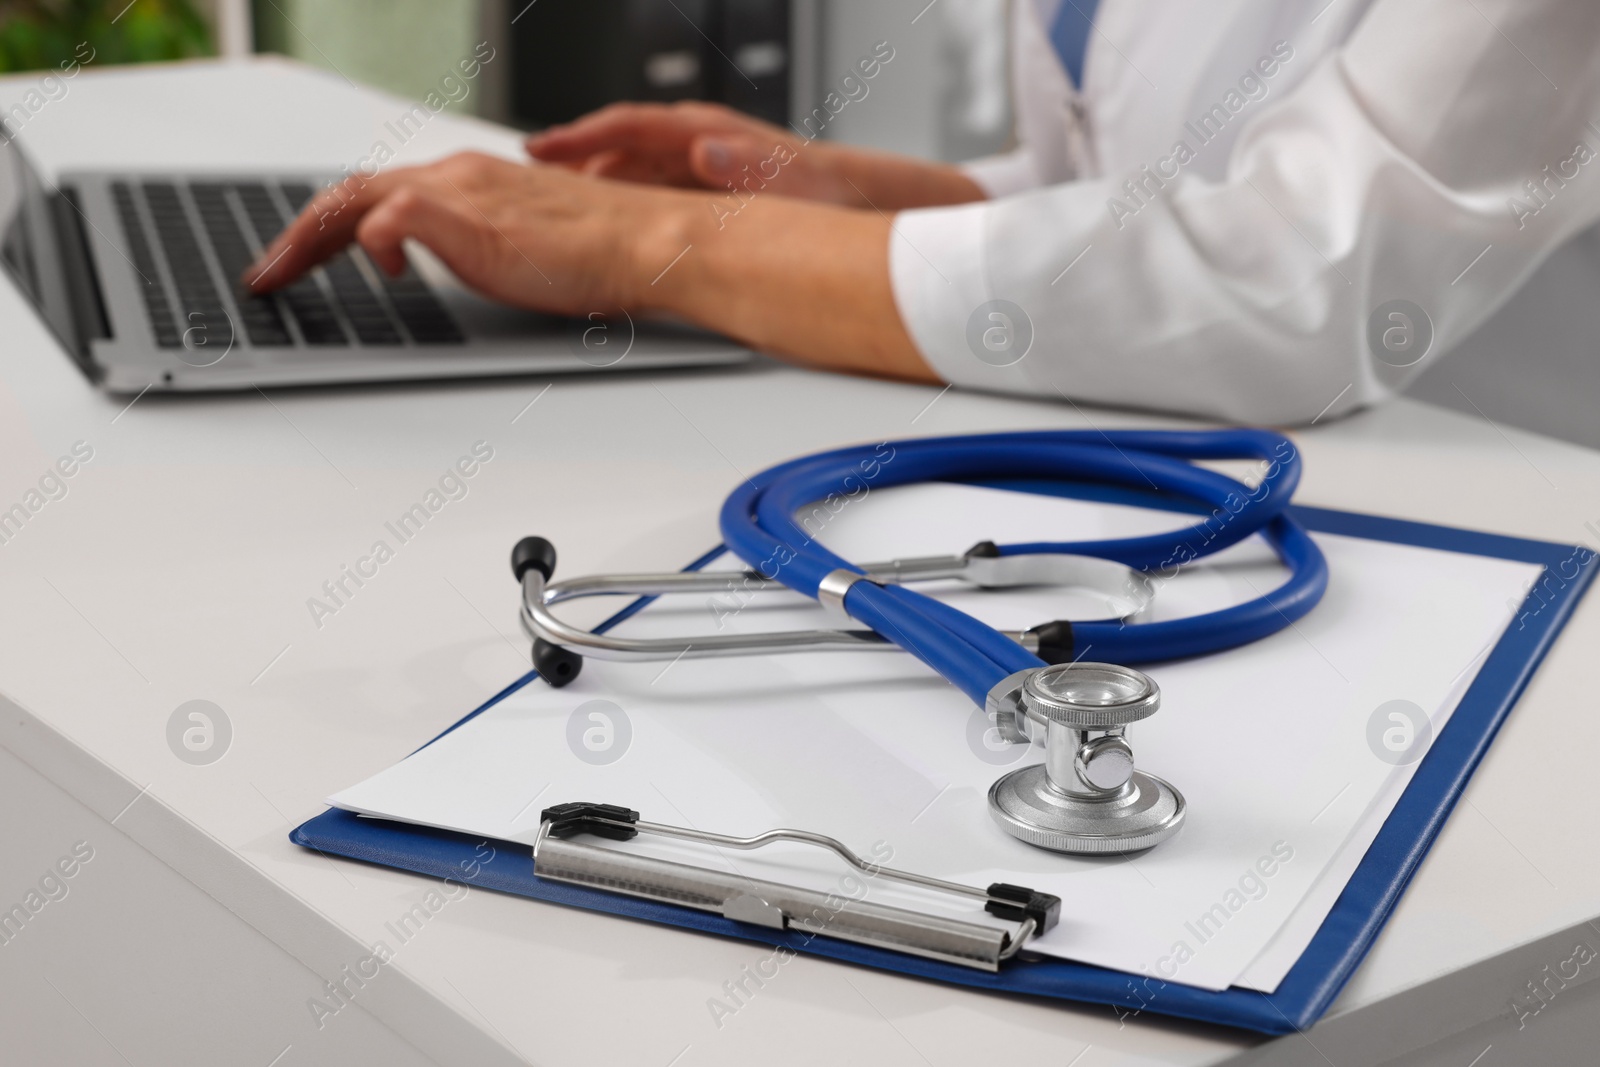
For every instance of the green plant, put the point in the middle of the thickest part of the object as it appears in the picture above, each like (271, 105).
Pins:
(46, 34)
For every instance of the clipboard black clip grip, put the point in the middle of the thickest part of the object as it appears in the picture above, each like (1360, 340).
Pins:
(558, 857)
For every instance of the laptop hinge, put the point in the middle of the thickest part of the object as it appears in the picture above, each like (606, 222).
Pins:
(78, 270)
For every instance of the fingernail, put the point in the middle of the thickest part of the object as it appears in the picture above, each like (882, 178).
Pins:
(718, 156)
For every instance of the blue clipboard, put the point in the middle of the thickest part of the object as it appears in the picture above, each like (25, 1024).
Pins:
(1322, 970)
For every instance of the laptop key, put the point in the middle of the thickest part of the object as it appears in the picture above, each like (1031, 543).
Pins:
(420, 311)
(307, 306)
(264, 215)
(367, 317)
(297, 193)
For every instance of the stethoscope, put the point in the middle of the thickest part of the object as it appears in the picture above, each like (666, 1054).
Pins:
(1086, 797)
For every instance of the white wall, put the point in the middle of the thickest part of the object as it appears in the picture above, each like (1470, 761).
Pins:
(943, 96)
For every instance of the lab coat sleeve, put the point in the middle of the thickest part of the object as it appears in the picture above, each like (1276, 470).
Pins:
(1432, 159)
(1006, 174)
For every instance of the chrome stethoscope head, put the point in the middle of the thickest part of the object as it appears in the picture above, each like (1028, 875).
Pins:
(1086, 798)
(559, 647)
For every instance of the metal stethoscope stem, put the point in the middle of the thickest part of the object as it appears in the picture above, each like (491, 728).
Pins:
(1127, 594)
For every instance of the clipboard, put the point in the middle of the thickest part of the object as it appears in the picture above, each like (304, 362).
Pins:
(1330, 959)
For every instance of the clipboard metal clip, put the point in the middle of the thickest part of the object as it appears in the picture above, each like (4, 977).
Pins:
(559, 858)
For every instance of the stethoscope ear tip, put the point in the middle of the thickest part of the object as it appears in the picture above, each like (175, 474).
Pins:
(533, 552)
(556, 665)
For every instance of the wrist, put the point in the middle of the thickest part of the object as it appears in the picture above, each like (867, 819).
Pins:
(886, 181)
(805, 280)
(659, 241)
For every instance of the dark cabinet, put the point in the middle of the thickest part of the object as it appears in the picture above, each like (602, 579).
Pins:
(572, 56)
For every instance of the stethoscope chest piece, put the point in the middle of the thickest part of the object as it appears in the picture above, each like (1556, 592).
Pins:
(1086, 797)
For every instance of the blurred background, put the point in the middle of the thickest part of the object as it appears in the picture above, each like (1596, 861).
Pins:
(777, 59)
(943, 96)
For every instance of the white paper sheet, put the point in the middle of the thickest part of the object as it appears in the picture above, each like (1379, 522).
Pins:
(1269, 743)
(1281, 954)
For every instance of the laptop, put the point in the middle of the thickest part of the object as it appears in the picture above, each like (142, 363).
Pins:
(137, 273)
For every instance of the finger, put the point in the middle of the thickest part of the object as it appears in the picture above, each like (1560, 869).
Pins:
(719, 160)
(561, 130)
(713, 160)
(610, 127)
(601, 163)
(442, 220)
(326, 225)
(631, 127)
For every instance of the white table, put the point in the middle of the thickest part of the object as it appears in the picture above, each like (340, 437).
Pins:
(179, 564)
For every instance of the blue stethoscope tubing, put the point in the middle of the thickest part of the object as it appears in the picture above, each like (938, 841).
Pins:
(759, 525)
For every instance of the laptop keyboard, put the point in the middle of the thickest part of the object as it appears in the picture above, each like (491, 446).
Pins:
(196, 295)
(156, 304)
(261, 317)
(335, 306)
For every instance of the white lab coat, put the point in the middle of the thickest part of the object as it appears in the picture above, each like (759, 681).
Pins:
(1341, 154)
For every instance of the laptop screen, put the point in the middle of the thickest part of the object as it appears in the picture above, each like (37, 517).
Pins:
(29, 248)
